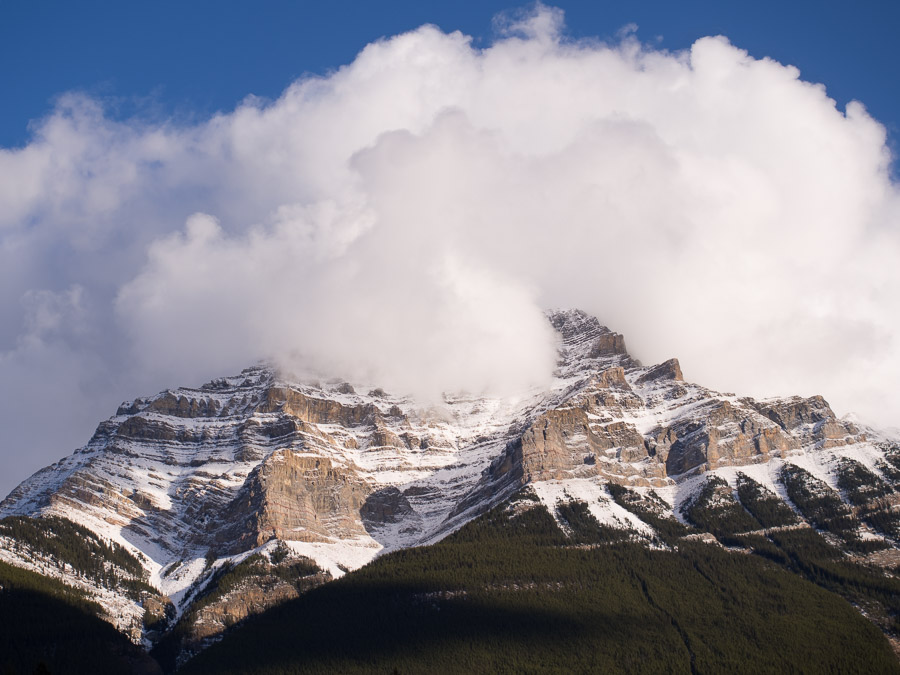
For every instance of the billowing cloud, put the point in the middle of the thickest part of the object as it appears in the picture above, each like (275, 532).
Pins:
(406, 219)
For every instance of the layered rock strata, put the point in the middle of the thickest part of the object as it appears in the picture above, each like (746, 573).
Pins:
(194, 476)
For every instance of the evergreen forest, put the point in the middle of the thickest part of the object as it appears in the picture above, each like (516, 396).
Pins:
(511, 592)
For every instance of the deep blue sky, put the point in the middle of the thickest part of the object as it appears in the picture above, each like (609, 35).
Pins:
(191, 58)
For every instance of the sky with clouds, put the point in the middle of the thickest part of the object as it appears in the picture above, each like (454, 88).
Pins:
(405, 219)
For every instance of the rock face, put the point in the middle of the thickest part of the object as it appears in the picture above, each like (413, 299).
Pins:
(194, 475)
(646, 426)
(252, 597)
(293, 497)
(668, 370)
(386, 506)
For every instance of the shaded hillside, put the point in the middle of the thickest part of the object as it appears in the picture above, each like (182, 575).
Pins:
(510, 593)
(47, 627)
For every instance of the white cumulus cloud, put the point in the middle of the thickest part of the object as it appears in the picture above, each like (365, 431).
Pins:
(406, 220)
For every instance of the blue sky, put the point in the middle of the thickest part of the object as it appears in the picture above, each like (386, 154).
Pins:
(190, 59)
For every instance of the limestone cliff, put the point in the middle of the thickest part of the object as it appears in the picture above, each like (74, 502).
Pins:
(194, 478)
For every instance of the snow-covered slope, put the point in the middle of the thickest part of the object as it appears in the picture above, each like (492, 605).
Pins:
(192, 478)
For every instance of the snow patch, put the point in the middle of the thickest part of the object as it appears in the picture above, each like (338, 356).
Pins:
(594, 494)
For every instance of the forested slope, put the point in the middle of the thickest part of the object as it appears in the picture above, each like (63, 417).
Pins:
(511, 592)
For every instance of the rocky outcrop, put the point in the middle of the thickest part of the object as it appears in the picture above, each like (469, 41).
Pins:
(182, 406)
(254, 596)
(607, 344)
(558, 442)
(236, 593)
(316, 410)
(608, 393)
(719, 434)
(668, 370)
(385, 506)
(565, 442)
(383, 437)
(790, 413)
(294, 497)
(611, 378)
(811, 419)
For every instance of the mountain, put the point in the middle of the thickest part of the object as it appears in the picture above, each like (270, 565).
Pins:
(208, 506)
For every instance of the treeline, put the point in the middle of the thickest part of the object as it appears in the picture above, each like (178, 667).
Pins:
(859, 483)
(806, 553)
(763, 504)
(71, 544)
(231, 577)
(872, 496)
(651, 511)
(891, 457)
(823, 508)
(823, 564)
(714, 509)
(509, 594)
(584, 528)
(803, 551)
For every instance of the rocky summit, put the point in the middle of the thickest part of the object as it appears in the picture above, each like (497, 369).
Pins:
(264, 473)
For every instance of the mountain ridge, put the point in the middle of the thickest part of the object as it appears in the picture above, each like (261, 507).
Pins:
(196, 481)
